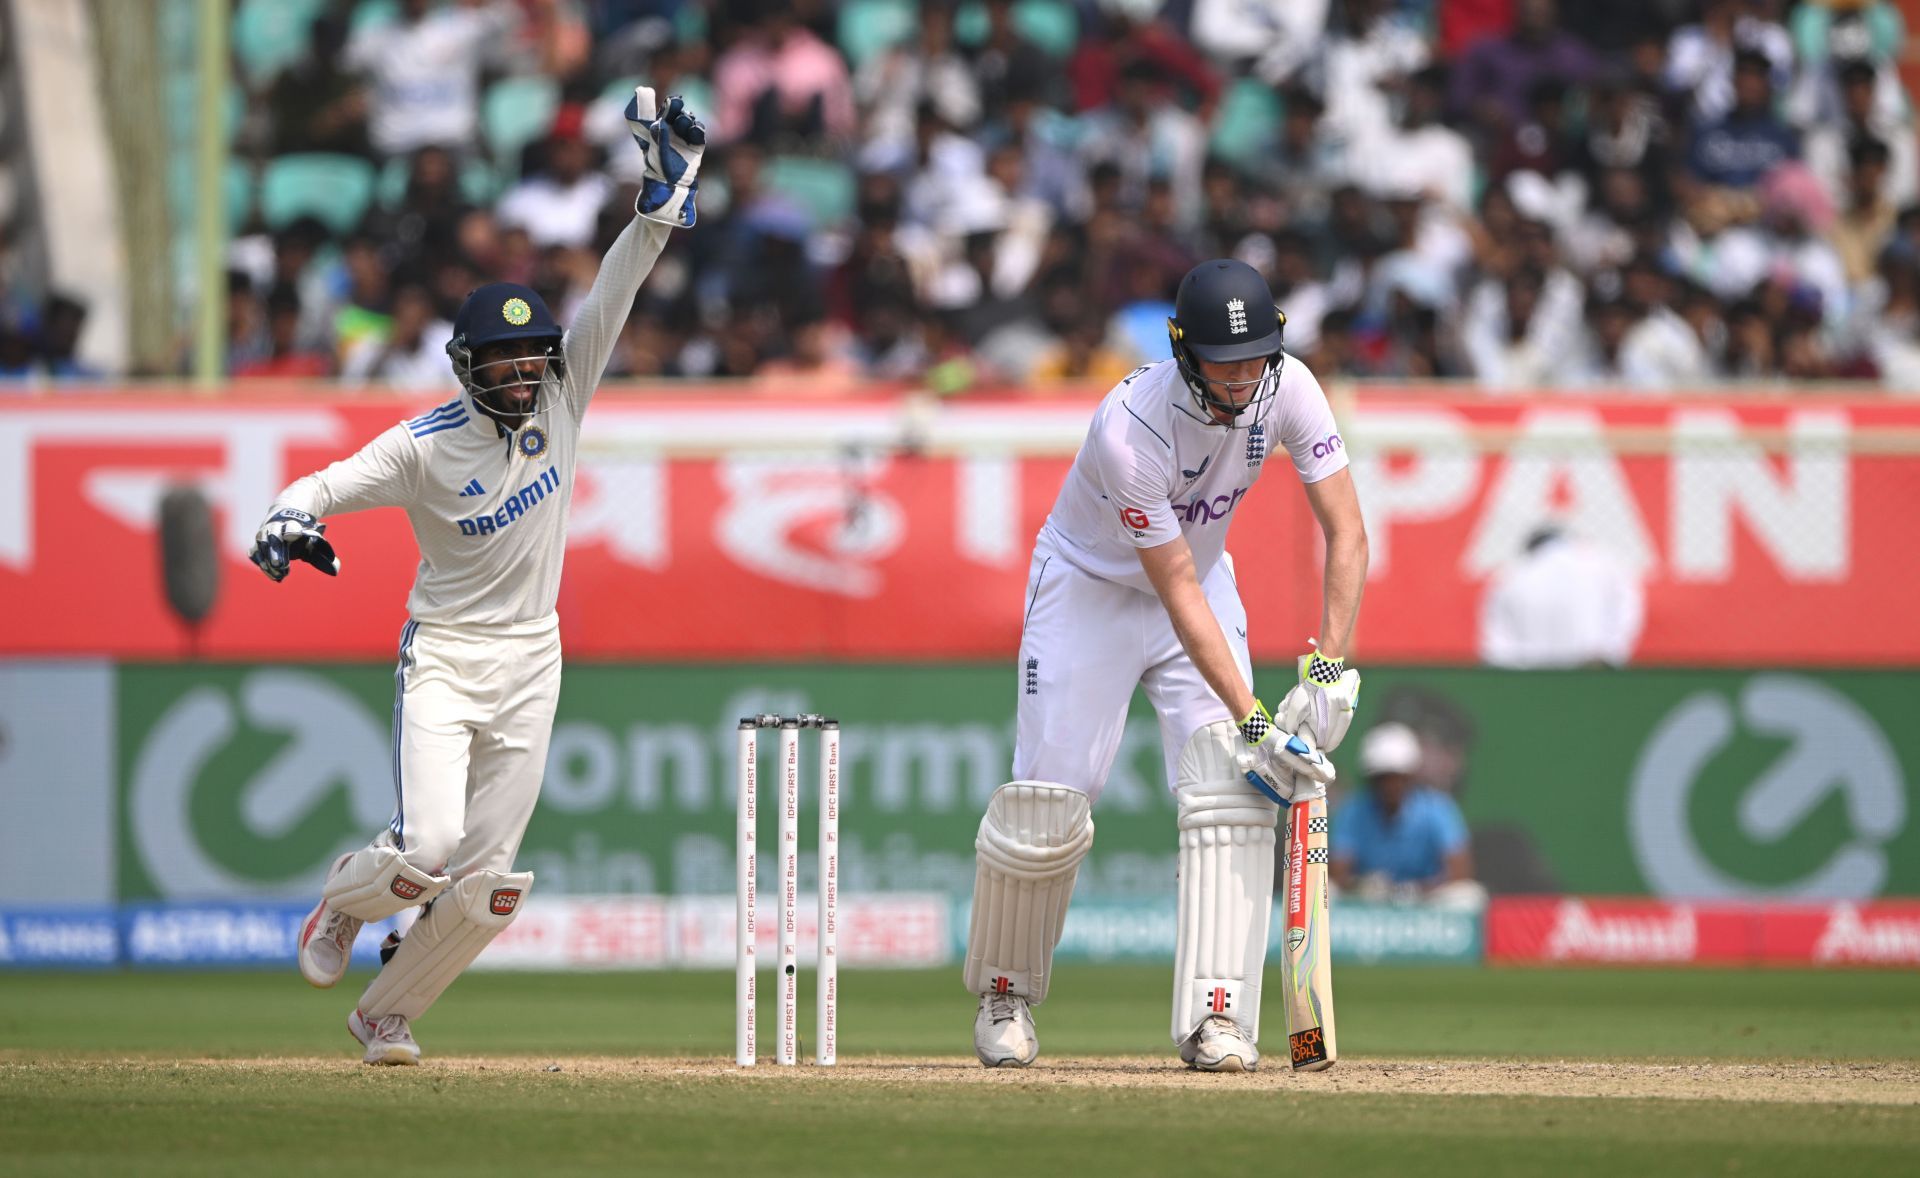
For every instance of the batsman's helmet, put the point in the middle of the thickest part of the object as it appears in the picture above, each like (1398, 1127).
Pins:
(492, 313)
(1224, 313)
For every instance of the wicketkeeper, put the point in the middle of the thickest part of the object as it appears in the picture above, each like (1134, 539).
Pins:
(1131, 585)
(486, 481)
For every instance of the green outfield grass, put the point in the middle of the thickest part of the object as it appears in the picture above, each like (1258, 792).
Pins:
(95, 1077)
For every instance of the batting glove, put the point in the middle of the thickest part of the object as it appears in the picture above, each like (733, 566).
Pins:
(1285, 767)
(1320, 707)
(672, 142)
(292, 535)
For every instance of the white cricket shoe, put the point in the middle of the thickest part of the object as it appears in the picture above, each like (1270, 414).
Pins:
(387, 1039)
(326, 939)
(1219, 1046)
(1003, 1034)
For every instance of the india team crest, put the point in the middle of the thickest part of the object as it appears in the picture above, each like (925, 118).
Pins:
(533, 442)
(516, 312)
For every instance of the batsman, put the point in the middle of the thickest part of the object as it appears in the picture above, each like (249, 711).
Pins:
(1131, 585)
(486, 481)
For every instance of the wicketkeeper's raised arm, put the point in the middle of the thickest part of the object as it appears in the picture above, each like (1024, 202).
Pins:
(672, 141)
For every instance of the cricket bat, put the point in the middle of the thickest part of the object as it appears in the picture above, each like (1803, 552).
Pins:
(1308, 972)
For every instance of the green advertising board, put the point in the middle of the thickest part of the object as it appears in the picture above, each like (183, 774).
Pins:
(1677, 783)
(245, 781)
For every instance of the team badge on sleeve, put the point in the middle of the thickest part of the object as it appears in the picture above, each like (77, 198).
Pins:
(533, 442)
(516, 312)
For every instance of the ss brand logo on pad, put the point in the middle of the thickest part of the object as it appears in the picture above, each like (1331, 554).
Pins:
(405, 888)
(505, 901)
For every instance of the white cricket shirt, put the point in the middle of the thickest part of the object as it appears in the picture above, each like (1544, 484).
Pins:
(1154, 467)
(489, 506)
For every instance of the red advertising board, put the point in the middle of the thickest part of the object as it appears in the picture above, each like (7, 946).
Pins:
(732, 527)
(1565, 930)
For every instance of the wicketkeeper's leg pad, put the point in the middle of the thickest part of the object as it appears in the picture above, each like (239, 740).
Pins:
(377, 882)
(1028, 855)
(444, 942)
(1226, 886)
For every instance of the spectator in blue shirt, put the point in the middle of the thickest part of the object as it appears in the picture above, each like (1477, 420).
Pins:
(1739, 149)
(1399, 839)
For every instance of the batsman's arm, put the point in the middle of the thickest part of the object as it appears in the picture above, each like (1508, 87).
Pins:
(1169, 568)
(1458, 866)
(1344, 578)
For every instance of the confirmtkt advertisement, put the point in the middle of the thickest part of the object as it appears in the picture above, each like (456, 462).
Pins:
(138, 783)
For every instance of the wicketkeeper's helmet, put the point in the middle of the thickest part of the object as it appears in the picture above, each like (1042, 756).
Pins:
(492, 313)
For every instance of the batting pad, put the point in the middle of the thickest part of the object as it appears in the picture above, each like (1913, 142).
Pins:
(1028, 854)
(444, 942)
(1226, 886)
(378, 882)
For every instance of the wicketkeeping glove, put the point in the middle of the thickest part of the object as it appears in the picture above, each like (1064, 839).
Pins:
(1320, 707)
(292, 535)
(672, 141)
(1285, 767)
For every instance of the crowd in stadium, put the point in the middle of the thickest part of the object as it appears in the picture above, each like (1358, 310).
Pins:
(1640, 194)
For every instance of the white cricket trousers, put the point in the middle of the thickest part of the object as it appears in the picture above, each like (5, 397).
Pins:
(1085, 645)
(472, 714)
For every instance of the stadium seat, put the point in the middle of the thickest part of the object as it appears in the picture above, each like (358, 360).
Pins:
(373, 12)
(390, 186)
(334, 188)
(183, 195)
(183, 93)
(1050, 25)
(825, 188)
(478, 184)
(515, 112)
(1246, 122)
(867, 27)
(269, 35)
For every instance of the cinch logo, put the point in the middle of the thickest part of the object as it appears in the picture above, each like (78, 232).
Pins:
(1332, 445)
(514, 507)
(405, 888)
(505, 901)
(1205, 511)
